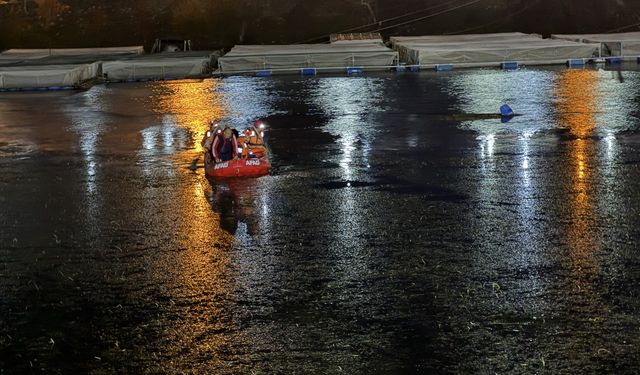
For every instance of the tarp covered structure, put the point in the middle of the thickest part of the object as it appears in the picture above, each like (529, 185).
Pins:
(32, 77)
(335, 56)
(25, 69)
(488, 49)
(46, 56)
(170, 65)
(617, 44)
(39, 53)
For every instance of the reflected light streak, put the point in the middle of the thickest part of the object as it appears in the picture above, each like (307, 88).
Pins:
(617, 102)
(184, 109)
(578, 101)
(526, 174)
(487, 147)
(484, 91)
(244, 100)
(188, 105)
(198, 273)
(89, 123)
(348, 102)
(578, 91)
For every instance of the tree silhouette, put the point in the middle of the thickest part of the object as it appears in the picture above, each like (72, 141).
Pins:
(49, 12)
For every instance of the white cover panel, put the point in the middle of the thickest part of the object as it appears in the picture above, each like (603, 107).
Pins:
(125, 70)
(246, 58)
(25, 54)
(488, 48)
(618, 44)
(47, 76)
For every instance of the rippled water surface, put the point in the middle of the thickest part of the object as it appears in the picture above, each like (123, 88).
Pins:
(403, 229)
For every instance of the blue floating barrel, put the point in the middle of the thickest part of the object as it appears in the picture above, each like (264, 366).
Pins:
(505, 119)
(506, 111)
(308, 71)
(444, 67)
(614, 60)
(575, 63)
(263, 73)
(509, 65)
(638, 60)
(400, 68)
(353, 70)
(414, 68)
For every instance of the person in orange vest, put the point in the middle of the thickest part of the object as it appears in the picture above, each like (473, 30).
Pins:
(225, 146)
(253, 144)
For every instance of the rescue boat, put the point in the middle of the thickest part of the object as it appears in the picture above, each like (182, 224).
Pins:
(244, 167)
(251, 165)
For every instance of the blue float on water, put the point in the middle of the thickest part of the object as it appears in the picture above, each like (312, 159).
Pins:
(506, 111)
(509, 65)
(444, 67)
(353, 70)
(308, 71)
(614, 60)
(575, 63)
(263, 73)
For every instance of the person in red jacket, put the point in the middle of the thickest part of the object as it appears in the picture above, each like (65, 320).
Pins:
(225, 146)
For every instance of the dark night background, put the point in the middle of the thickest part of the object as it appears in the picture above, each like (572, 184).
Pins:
(212, 24)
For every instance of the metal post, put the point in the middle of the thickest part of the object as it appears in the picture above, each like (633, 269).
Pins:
(600, 50)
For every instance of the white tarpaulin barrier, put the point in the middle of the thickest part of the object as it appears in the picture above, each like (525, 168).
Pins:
(47, 76)
(29, 54)
(618, 44)
(489, 49)
(251, 58)
(156, 67)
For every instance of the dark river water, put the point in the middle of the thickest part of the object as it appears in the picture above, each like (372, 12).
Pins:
(402, 229)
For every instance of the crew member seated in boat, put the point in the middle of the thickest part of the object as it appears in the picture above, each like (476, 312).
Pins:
(253, 145)
(225, 146)
(209, 136)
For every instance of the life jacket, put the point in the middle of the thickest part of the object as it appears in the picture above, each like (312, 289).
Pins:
(252, 137)
(253, 144)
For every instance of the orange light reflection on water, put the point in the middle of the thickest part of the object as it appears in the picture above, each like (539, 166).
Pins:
(578, 91)
(198, 277)
(193, 104)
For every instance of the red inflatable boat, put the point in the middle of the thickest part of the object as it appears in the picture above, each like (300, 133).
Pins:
(253, 156)
(251, 167)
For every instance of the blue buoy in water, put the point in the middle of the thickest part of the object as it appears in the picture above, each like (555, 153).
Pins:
(506, 111)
